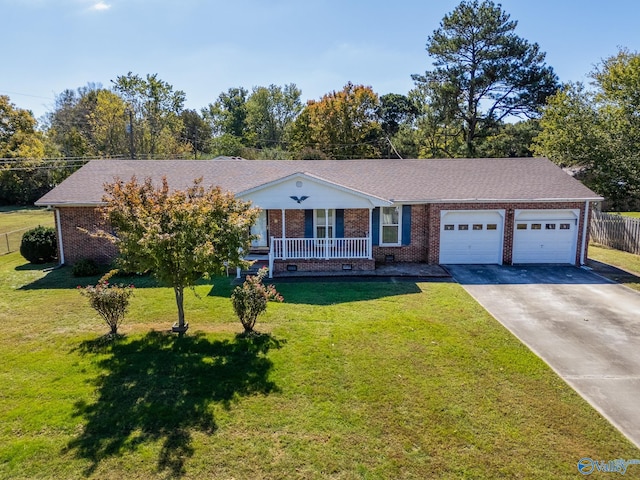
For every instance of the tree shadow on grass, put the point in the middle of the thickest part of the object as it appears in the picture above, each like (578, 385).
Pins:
(331, 292)
(62, 278)
(161, 388)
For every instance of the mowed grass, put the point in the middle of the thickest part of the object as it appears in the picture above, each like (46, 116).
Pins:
(628, 262)
(372, 380)
(17, 218)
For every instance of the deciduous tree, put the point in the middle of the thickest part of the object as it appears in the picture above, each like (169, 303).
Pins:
(181, 235)
(598, 130)
(341, 124)
(156, 109)
(22, 178)
(270, 113)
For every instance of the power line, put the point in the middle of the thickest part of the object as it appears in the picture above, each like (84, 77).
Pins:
(26, 95)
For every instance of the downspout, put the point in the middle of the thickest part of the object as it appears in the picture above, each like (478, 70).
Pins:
(585, 226)
(60, 245)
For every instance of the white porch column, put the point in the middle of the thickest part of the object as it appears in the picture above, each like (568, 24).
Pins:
(271, 259)
(370, 236)
(326, 234)
(284, 237)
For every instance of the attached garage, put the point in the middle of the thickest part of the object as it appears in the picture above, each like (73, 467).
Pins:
(471, 236)
(545, 236)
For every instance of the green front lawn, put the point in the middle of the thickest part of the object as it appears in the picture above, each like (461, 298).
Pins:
(355, 380)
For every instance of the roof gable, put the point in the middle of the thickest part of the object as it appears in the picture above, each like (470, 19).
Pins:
(304, 190)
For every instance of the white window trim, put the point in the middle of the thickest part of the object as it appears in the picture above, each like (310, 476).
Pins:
(399, 224)
(332, 224)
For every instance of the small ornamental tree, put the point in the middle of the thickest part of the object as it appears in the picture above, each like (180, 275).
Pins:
(250, 300)
(110, 301)
(180, 236)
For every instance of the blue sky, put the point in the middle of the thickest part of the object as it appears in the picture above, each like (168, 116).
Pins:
(204, 47)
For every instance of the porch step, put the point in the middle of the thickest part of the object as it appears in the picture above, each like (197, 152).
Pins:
(253, 269)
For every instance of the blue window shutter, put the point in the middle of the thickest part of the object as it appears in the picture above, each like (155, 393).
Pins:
(339, 223)
(375, 227)
(308, 224)
(406, 225)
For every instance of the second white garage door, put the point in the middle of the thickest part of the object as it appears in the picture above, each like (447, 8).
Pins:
(545, 236)
(471, 236)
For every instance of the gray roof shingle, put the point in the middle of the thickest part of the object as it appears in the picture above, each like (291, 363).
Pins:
(404, 181)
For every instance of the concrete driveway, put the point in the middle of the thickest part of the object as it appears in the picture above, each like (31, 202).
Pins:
(584, 326)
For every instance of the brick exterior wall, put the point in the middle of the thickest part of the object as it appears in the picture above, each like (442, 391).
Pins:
(424, 247)
(78, 244)
(356, 223)
(417, 250)
(509, 208)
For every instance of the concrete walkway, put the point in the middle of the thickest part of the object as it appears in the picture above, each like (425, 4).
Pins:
(585, 327)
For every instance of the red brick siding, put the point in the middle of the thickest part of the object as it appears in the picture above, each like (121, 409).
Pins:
(424, 247)
(78, 244)
(417, 250)
(434, 224)
(360, 265)
(356, 223)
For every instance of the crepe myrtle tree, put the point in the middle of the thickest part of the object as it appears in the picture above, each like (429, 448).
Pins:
(180, 236)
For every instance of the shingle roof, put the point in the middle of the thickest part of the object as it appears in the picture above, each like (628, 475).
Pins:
(408, 181)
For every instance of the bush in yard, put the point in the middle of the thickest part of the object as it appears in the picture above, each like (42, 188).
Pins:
(110, 301)
(39, 245)
(250, 300)
(85, 268)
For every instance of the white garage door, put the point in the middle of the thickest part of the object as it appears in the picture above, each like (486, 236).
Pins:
(471, 236)
(545, 236)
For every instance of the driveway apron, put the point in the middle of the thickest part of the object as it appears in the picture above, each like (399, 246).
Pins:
(585, 327)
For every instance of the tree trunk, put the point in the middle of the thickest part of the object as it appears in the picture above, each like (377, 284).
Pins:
(179, 291)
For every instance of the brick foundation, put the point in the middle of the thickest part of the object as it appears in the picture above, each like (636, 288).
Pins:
(357, 265)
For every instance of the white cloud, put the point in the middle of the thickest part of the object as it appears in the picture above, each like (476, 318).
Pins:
(100, 6)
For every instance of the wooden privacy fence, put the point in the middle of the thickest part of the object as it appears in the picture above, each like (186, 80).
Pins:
(10, 241)
(616, 231)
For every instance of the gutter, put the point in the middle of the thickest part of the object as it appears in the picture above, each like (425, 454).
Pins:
(498, 200)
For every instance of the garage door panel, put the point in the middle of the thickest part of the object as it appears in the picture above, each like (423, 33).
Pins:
(471, 237)
(545, 240)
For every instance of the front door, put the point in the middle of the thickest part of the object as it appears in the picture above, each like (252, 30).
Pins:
(260, 229)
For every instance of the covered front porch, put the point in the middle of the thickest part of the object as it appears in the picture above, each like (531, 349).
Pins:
(309, 224)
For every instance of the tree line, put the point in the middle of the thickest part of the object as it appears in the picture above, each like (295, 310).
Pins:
(488, 93)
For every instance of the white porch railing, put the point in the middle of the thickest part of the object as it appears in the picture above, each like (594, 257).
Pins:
(318, 248)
